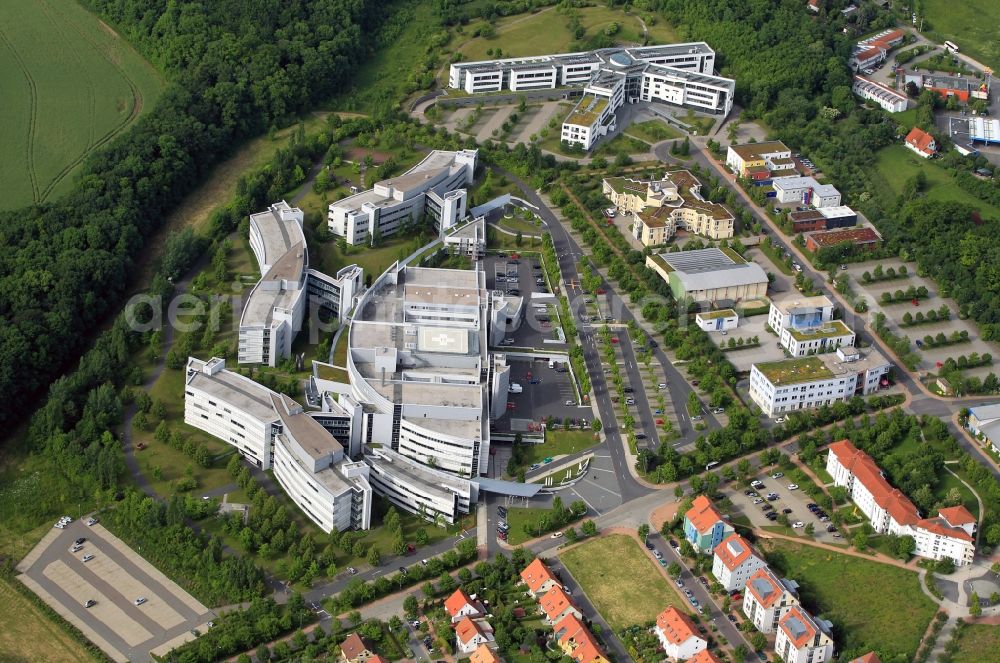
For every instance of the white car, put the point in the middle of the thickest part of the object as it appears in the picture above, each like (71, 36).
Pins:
(557, 535)
(661, 386)
(793, 486)
(779, 420)
(140, 600)
(570, 403)
(777, 475)
(87, 558)
(797, 524)
(91, 522)
(60, 525)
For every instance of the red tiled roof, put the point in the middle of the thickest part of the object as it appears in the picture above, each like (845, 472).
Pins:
(554, 602)
(457, 601)
(765, 587)
(677, 627)
(867, 472)
(797, 637)
(957, 515)
(870, 657)
(378, 659)
(702, 514)
(537, 574)
(704, 656)
(353, 646)
(940, 527)
(920, 139)
(467, 630)
(584, 647)
(484, 654)
(870, 53)
(733, 551)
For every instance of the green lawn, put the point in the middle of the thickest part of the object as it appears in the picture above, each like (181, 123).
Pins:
(621, 143)
(896, 164)
(621, 580)
(558, 443)
(548, 32)
(949, 481)
(977, 643)
(653, 131)
(971, 24)
(70, 85)
(840, 588)
(518, 517)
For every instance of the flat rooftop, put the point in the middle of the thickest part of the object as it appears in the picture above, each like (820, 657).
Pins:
(587, 110)
(242, 392)
(714, 315)
(310, 435)
(277, 289)
(752, 151)
(441, 483)
(853, 235)
(831, 329)
(819, 367)
(792, 303)
(278, 235)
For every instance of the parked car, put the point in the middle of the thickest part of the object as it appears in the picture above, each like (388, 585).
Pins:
(89, 603)
(87, 558)
(140, 600)
(556, 535)
(777, 475)
(793, 486)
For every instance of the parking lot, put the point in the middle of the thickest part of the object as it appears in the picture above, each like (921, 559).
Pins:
(546, 392)
(113, 579)
(519, 277)
(796, 501)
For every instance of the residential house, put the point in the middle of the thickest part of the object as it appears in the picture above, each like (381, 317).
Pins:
(556, 604)
(802, 639)
(921, 142)
(678, 635)
(538, 578)
(484, 654)
(460, 605)
(705, 527)
(705, 656)
(768, 598)
(870, 657)
(735, 561)
(576, 641)
(354, 650)
(469, 634)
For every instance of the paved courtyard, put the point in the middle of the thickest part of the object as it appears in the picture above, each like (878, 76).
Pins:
(115, 577)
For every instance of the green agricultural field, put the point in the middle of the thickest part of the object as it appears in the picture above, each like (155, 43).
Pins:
(896, 165)
(971, 24)
(839, 588)
(621, 580)
(548, 32)
(70, 84)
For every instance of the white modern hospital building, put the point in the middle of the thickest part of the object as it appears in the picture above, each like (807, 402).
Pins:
(435, 186)
(676, 74)
(276, 307)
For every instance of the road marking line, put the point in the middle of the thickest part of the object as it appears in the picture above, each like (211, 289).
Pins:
(607, 490)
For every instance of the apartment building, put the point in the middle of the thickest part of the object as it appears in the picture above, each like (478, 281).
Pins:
(276, 307)
(273, 432)
(436, 187)
(759, 162)
(806, 382)
(734, 562)
(660, 208)
(948, 535)
(884, 96)
(710, 275)
(805, 191)
(704, 526)
(805, 325)
(803, 639)
(678, 635)
(767, 599)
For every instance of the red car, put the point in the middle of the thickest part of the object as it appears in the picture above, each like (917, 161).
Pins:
(659, 422)
(510, 406)
(614, 339)
(601, 291)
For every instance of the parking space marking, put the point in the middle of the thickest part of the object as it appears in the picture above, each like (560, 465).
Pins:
(607, 490)
(156, 608)
(105, 610)
(589, 505)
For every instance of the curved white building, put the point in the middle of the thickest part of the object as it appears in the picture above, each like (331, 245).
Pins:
(272, 431)
(276, 307)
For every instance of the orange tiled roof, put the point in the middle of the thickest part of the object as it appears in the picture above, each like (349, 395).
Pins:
(537, 574)
(733, 551)
(378, 659)
(582, 645)
(458, 600)
(554, 602)
(702, 514)
(467, 630)
(353, 646)
(484, 654)
(957, 515)
(677, 627)
(870, 657)
(765, 587)
(867, 472)
(940, 527)
(920, 139)
(704, 656)
(798, 627)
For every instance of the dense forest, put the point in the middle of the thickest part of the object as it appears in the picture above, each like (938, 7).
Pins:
(235, 68)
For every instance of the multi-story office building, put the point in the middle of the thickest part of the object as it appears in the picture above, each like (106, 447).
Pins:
(417, 488)
(805, 191)
(435, 187)
(948, 535)
(276, 307)
(767, 599)
(807, 382)
(760, 162)
(659, 208)
(884, 96)
(824, 218)
(273, 432)
(677, 74)
(805, 325)
(803, 639)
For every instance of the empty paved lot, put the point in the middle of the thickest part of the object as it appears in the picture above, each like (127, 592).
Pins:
(114, 578)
